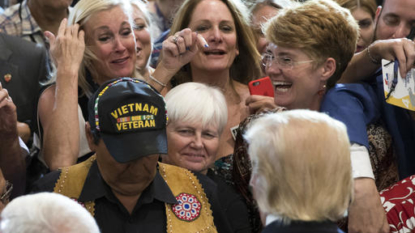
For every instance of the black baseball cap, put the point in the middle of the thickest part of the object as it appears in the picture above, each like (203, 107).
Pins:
(131, 118)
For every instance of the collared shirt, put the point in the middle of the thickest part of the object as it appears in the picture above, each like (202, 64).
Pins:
(18, 21)
(302, 227)
(148, 214)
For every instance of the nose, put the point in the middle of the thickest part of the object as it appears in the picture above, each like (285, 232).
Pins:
(402, 31)
(273, 69)
(197, 142)
(215, 35)
(118, 44)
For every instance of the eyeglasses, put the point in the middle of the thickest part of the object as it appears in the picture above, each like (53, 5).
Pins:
(284, 62)
(5, 197)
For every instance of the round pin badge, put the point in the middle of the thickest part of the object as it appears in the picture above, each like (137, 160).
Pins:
(187, 208)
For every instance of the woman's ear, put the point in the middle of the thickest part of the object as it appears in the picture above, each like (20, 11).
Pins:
(329, 67)
(89, 136)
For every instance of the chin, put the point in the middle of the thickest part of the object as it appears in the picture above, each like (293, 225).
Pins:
(124, 73)
(285, 104)
(140, 66)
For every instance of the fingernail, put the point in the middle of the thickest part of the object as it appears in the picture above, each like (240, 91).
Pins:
(187, 48)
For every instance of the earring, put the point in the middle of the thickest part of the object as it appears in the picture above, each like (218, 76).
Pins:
(322, 91)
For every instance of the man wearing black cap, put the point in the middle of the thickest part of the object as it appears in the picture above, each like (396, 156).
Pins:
(123, 186)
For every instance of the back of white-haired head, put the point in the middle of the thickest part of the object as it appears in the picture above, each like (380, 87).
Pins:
(301, 167)
(46, 213)
(197, 102)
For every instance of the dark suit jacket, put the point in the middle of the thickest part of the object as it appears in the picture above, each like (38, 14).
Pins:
(26, 63)
(302, 227)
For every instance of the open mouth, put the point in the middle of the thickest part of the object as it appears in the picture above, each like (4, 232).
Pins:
(120, 61)
(282, 86)
(359, 48)
(214, 52)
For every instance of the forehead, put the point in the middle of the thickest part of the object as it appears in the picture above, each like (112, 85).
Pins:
(137, 13)
(403, 8)
(263, 14)
(194, 124)
(279, 50)
(111, 18)
(211, 10)
(360, 13)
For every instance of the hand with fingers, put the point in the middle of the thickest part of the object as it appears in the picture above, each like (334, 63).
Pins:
(180, 48)
(402, 49)
(366, 213)
(259, 103)
(8, 116)
(67, 47)
(12, 162)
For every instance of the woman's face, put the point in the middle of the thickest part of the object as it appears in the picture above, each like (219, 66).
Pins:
(109, 37)
(296, 87)
(213, 20)
(260, 17)
(191, 145)
(143, 40)
(367, 28)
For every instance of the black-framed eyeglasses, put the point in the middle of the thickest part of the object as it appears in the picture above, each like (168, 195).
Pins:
(5, 197)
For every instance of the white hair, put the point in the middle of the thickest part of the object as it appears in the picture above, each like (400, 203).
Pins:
(301, 167)
(46, 213)
(143, 8)
(276, 3)
(243, 9)
(197, 102)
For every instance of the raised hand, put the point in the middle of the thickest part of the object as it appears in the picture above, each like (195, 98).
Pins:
(402, 49)
(177, 51)
(258, 103)
(68, 46)
(8, 116)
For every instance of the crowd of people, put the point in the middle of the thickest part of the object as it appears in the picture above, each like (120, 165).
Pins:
(140, 113)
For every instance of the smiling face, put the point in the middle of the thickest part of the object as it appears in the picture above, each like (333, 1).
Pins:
(213, 20)
(191, 145)
(109, 37)
(395, 19)
(295, 88)
(143, 40)
(366, 26)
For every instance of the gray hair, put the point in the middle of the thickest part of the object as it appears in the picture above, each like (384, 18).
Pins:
(301, 167)
(46, 213)
(197, 102)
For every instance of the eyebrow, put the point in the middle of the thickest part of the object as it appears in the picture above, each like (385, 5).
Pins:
(209, 21)
(105, 27)
(285, 54)
(390, 14)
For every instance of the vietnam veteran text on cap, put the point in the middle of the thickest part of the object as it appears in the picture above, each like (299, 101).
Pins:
(131, 118)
